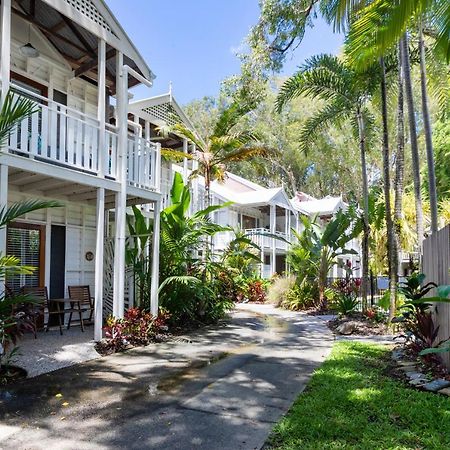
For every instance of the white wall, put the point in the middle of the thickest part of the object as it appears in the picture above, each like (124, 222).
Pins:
(50, 69)
(80, 223)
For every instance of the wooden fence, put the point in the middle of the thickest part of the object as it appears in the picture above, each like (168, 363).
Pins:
(436, 266)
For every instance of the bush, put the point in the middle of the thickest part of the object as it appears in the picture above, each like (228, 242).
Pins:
(256, 291)
(301, 296)
(137, 327)
(345, 304)
(279, 289)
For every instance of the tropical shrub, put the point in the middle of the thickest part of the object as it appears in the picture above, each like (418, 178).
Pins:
(137, 327)
(346, 304)
(417, 318)
(279, 289)
(190, 288)
(346, 290)
(318, 248)
(256, 291)
(137, 255)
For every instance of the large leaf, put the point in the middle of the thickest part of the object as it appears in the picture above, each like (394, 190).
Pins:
(16, 210)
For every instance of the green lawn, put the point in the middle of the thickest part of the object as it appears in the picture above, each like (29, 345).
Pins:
(351, 403)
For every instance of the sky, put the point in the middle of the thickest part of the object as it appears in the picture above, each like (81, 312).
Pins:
(192, 43)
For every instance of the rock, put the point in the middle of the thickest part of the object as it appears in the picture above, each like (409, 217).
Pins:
(436, 385)
(415, 375)
(418, 382)
(408, 367)
(346, 328)
(398, 354)
(445, 391)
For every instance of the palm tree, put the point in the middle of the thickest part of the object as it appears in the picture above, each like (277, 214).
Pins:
(391, 249)
(413, 138)
(428, 135)
(381, 24)
(229, 142)
(346, 92)
(399, 160)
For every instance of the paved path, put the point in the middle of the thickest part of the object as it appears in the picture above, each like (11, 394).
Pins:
(223, 390)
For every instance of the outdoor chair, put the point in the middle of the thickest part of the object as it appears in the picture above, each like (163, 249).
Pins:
(39, 295)
(83, 295)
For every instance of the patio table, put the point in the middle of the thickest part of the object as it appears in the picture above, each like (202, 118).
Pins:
(62, 310)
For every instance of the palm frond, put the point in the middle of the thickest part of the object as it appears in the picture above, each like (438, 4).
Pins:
(229, 118)
(174, 155)
(323, 76)
(381, 24)
(184, 280)
(16, 210)
(340, 12)
(14, 110)
(332, 113)
(244, 153)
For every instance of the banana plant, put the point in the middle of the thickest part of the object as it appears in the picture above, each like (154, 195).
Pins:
(323, 245)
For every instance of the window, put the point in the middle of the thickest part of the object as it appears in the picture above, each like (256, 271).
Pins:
(26, 242)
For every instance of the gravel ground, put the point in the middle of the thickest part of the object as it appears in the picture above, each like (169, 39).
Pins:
(51, 351)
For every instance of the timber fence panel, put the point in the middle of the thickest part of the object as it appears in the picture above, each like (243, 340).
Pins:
(436, 265)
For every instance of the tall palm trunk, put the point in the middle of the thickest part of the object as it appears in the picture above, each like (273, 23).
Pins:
(428, 136)
(399, 161)
(365, 194)
(391, 250)
(413, 138)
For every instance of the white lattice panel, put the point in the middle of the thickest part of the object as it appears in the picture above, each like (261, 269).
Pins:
(88, 9)
(164, 112)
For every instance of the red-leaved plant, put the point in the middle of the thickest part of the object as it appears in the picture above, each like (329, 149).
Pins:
(138, 327)
(256, 292)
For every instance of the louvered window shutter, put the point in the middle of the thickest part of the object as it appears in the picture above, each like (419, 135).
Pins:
(24, 243)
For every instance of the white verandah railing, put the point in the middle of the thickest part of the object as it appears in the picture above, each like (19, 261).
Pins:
(260, 237)
(63, 136)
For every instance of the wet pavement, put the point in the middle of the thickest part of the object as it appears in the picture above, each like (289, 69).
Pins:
(223, 388)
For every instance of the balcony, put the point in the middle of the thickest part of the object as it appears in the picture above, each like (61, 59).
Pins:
(260, 236)
(61, 136)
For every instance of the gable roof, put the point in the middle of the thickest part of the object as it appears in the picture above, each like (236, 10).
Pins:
(323, 207)
(73, 28)
(161, 110)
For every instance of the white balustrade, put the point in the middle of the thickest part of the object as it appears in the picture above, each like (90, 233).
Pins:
(60, 135)
(56, 133)
(263, 238)
(142, 163)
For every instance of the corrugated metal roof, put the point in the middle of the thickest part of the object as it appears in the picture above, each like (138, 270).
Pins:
(76, 44)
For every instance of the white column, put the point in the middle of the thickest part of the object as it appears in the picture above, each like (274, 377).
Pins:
(155, 260)
(147, 130)
(5, 55)
(194, 180)
(101, 107)
(3, 204)
(121, 197)
(273, 220)
(99, 257)
(185, 161)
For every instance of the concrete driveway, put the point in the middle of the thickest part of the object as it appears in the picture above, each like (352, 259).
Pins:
(220, 388)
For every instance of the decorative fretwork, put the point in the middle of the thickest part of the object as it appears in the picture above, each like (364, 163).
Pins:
(108, 279)
(165, 112)
(88, 9)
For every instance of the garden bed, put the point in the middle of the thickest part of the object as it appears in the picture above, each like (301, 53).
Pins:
(352, 402)
(358, 324)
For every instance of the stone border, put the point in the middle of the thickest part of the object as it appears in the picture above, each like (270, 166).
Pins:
(416, 378)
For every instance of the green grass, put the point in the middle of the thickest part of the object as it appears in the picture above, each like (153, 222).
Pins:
(351, 403)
